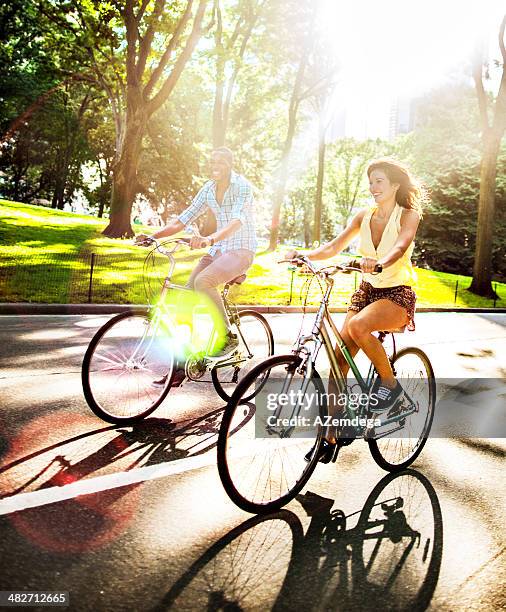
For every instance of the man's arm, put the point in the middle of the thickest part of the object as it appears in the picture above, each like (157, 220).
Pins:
(188, 215)
(223, 233)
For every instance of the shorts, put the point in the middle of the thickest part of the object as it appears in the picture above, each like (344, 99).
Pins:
(402, 294)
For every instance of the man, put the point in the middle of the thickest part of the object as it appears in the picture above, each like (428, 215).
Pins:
(232, 246)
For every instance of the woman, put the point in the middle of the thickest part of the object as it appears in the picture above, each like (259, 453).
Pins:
(385, 301)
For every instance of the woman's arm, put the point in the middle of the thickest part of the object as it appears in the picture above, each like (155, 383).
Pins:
(336, 245)
(409, 224)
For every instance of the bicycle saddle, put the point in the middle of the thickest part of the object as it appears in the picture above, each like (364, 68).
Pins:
(237, 280)
(399, 330)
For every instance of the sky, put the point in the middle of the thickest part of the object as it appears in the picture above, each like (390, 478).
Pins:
(398, 49)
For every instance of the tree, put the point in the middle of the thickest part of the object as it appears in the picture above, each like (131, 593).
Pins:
(300, 92)
(492, 132)
(41, 112)
(444, 152)
(136, 52)
(347, 164)
(229, 51)
(146, 90)
(324, 68)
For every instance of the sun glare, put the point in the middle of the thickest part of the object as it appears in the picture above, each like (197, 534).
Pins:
(394, 49)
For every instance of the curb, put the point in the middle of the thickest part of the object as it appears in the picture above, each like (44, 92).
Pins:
(28, 308)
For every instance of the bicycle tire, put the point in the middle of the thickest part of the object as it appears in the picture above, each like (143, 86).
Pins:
(226, 389)
(90, 393)
(378, 447)
(228, 465)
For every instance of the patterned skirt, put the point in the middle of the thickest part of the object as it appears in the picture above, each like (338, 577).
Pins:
(402, 294)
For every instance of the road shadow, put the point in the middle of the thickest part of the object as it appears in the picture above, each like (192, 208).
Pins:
(150, 442)
(389, 560)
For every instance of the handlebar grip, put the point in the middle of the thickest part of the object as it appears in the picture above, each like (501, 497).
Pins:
(355, 263)
(146, 242)
(185, 240)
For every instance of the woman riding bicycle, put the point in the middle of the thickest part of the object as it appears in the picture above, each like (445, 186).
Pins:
(385, 301)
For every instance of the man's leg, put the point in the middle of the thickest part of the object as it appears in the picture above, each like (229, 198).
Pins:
(202, 265)
(223, 268)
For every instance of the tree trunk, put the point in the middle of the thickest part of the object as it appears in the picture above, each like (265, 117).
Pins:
(218, 125)
(125, 182)
(482, 270)
(318, 206)
(279, 192)
(218, 122)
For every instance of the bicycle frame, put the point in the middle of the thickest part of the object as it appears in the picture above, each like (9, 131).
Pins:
(162, 316)
(320, 336)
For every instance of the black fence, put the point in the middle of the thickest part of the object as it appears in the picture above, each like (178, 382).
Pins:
(62, 278)
(135, 278)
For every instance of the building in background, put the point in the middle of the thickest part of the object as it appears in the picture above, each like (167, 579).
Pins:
(402, 117)
(370, 117)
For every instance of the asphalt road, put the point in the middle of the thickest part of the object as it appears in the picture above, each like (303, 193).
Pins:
(130, 518)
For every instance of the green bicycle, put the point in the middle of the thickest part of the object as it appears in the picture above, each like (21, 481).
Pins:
(130, 363)
(264, 462)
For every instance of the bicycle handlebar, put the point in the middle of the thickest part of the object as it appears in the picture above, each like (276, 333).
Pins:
(150, 241)
(352, 266)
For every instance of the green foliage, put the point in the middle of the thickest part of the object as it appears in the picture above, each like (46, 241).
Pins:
(45, 257)
(444, 151)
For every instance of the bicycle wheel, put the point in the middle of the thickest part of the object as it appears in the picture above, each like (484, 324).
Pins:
(123, 359)
(256, 343)
(261, 460)
(397, 451)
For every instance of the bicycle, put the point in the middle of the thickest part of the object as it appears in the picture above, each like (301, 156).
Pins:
(137, 347)
(262, 464)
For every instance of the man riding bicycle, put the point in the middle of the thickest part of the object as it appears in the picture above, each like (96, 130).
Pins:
(232, 246)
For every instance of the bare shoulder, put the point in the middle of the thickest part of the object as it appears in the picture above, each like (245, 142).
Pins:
(410, 217)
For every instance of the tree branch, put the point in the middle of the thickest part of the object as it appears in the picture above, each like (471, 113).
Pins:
(147, 40)
(131, 36)
(480, 91)
(170, 82)
(142, 10)
(501, 40)
(499, 121)
(157, 72)
(238, 62)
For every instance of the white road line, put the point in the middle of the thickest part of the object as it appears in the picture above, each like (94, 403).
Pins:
(43, 497)
(34, 499)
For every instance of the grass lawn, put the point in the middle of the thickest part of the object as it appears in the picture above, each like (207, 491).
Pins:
(45, 256)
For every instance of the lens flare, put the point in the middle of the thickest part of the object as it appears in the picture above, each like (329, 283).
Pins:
(195, 323)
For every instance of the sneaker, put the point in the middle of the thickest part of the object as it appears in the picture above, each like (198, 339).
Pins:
(231, 345)
(386, 397)
(179, 376)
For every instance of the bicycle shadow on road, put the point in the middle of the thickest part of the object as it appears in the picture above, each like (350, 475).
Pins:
(390, 560)
(102, 451)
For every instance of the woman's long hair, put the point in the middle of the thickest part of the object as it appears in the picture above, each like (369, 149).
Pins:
(411, 193)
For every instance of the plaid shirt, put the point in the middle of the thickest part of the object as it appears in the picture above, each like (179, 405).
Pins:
(237, 203)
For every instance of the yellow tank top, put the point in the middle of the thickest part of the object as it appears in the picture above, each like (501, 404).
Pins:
(399, 273)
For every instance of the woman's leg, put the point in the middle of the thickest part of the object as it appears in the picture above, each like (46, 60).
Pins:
(382, 315)
(348, 340)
